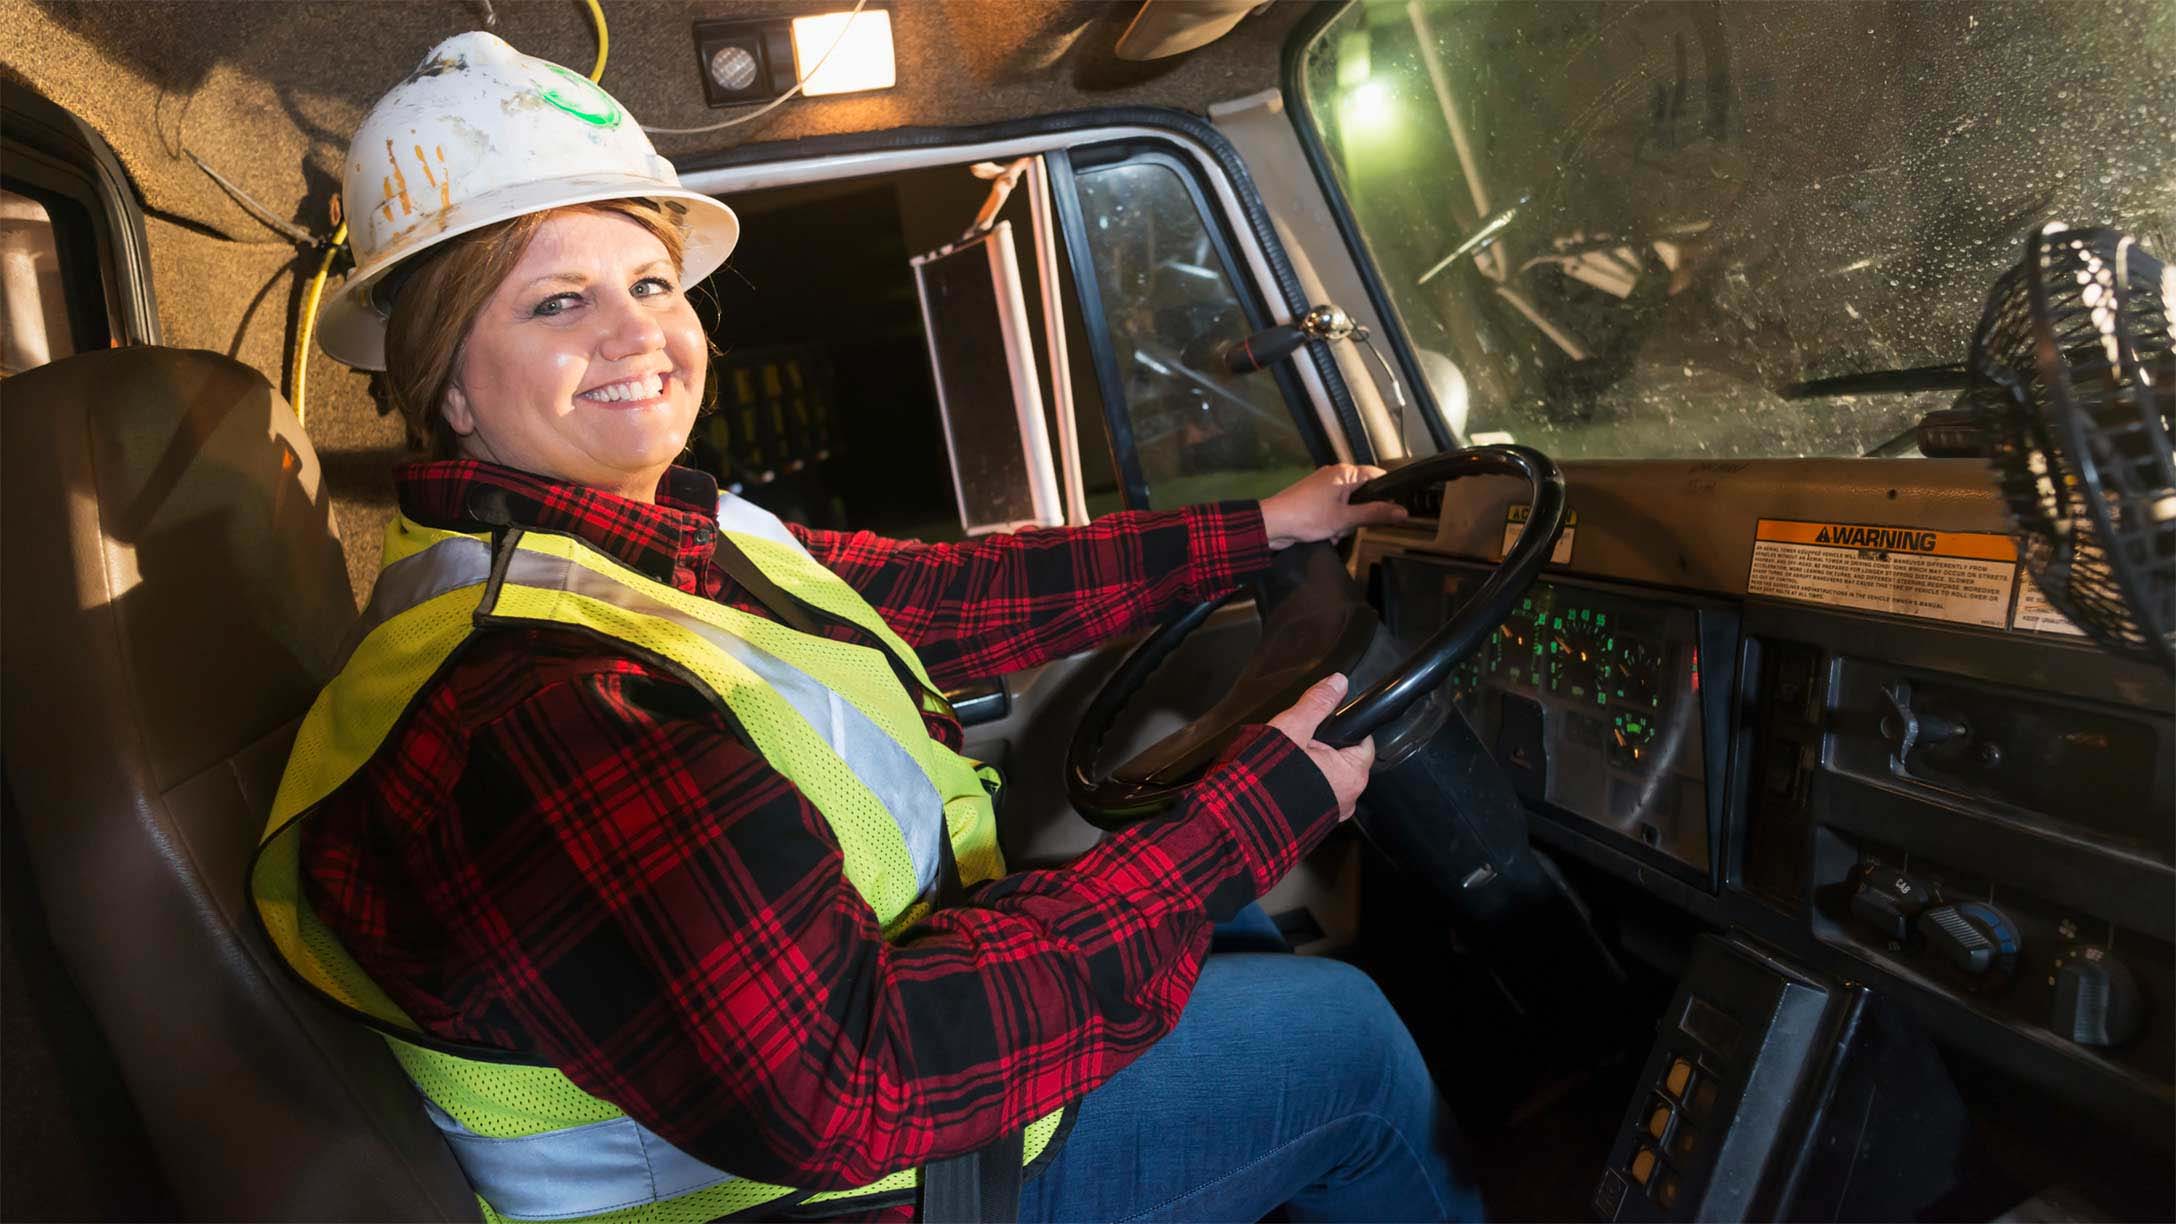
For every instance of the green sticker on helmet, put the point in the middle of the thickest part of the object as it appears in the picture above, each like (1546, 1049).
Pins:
(587, 102)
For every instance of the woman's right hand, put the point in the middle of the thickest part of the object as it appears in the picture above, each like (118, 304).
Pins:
(1345, 768)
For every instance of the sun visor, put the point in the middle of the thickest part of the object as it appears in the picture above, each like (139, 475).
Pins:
(1173, 27)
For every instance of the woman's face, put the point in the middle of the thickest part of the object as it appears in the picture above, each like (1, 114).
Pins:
(587, 364)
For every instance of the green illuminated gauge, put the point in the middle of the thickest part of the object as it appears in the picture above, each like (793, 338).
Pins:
(1639, 673)
(1631, 737)
(1579, 664)
(1465, 679)
(1516, 647)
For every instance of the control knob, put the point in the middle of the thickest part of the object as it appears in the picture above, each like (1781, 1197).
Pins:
(1908, 728)
(1888, 901)
(1973, 936)
(2096, 999)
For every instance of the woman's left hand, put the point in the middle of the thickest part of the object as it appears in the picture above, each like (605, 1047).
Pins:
(1318, 506)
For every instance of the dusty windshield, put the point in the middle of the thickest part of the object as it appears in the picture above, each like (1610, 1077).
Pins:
(1640, 229)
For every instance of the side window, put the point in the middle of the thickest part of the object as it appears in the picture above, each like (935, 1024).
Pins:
(74, 276)
(33, 299)
(1164, 282)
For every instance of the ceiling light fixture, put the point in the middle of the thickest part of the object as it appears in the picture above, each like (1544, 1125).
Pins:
(743, 61)
(860, 60)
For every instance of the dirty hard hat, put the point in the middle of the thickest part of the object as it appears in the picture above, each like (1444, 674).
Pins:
(477, 134)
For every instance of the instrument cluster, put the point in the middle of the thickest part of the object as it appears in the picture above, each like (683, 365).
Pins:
(1588, 698)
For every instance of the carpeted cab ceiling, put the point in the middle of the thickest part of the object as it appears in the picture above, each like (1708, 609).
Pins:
(267, 92)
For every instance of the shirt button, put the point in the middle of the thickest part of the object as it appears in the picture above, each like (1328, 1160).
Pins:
(704, 535)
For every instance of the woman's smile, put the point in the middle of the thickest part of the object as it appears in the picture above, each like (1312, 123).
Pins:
(643, 391)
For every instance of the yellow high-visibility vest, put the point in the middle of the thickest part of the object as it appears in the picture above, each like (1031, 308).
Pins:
(831, 716)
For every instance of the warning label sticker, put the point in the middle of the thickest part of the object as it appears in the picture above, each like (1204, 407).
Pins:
(1965, 577)
(2035, 614)
(1515, 526)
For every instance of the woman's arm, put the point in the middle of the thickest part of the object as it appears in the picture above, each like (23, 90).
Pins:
(997, 604)
(646, 903)
(1004, 602)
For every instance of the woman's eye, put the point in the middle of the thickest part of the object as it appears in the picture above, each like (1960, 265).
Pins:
(651, 286)
(556, 304)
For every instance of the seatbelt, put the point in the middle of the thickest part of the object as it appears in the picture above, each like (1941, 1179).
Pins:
(795, 613)
(983, 1185)
(980, 1187)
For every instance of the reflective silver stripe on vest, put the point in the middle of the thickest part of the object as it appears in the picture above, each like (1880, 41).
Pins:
(877, 759)
(580, 1171)
(410, 582)
(738, 514)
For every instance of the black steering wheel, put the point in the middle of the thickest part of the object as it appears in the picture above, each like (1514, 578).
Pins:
(1315, 621)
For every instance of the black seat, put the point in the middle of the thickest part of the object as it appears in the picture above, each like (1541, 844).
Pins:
(171, 595)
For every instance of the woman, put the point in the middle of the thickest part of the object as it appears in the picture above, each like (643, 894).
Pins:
(648, 840)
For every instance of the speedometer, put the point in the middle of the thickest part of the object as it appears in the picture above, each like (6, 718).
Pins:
(1517, 647)
(1579, 663)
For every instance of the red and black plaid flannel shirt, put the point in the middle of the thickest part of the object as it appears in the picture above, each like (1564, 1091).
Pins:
(567, 852)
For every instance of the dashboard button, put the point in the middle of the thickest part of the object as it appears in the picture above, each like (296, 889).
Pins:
(1643, 1165)
(1675, 1079)
(1702, 1102)
(1887, 901)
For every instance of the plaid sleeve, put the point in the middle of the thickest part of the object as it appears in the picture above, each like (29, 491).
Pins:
(640, 899)
(1003, 602)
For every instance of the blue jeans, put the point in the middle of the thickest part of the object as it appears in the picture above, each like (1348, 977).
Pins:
(1288, 1082)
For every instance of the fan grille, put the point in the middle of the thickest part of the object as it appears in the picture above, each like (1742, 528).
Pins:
(2073, 375)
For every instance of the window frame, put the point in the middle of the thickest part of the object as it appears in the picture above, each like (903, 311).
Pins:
(98, 223)
(1068, 167)
(1395, 332)
(87, 315)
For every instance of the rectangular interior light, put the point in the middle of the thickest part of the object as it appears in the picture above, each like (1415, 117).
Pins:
(861, 60)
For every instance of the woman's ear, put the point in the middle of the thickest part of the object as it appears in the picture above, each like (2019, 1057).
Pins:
(455, 409)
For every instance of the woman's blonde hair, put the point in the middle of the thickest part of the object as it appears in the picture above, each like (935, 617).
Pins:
(434, 301)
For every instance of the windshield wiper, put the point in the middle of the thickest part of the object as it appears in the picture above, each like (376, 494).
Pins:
(1950, 377)
(1954, 432)
(1490, 227)
(1950, 432)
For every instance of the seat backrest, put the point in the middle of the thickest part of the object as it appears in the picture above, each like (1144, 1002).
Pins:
(171, 597)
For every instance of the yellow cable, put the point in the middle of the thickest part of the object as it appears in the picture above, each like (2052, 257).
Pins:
(604, 40)
(298, 367)
(298, 371)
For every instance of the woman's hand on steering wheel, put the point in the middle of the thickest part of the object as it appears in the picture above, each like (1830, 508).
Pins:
(1346, 769)
(1318, 506)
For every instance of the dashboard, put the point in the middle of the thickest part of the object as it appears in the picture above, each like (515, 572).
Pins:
(1591, 700)
(1971, 817)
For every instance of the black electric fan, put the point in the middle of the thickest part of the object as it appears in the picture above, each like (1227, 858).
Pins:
(2073, 379)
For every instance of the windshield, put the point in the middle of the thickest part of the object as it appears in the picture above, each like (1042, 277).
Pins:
(1639, 229)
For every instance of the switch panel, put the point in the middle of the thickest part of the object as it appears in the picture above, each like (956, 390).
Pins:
(2029, 961)
(1738, 1044)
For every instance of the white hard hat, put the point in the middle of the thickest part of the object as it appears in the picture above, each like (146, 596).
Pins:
(480, 133)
